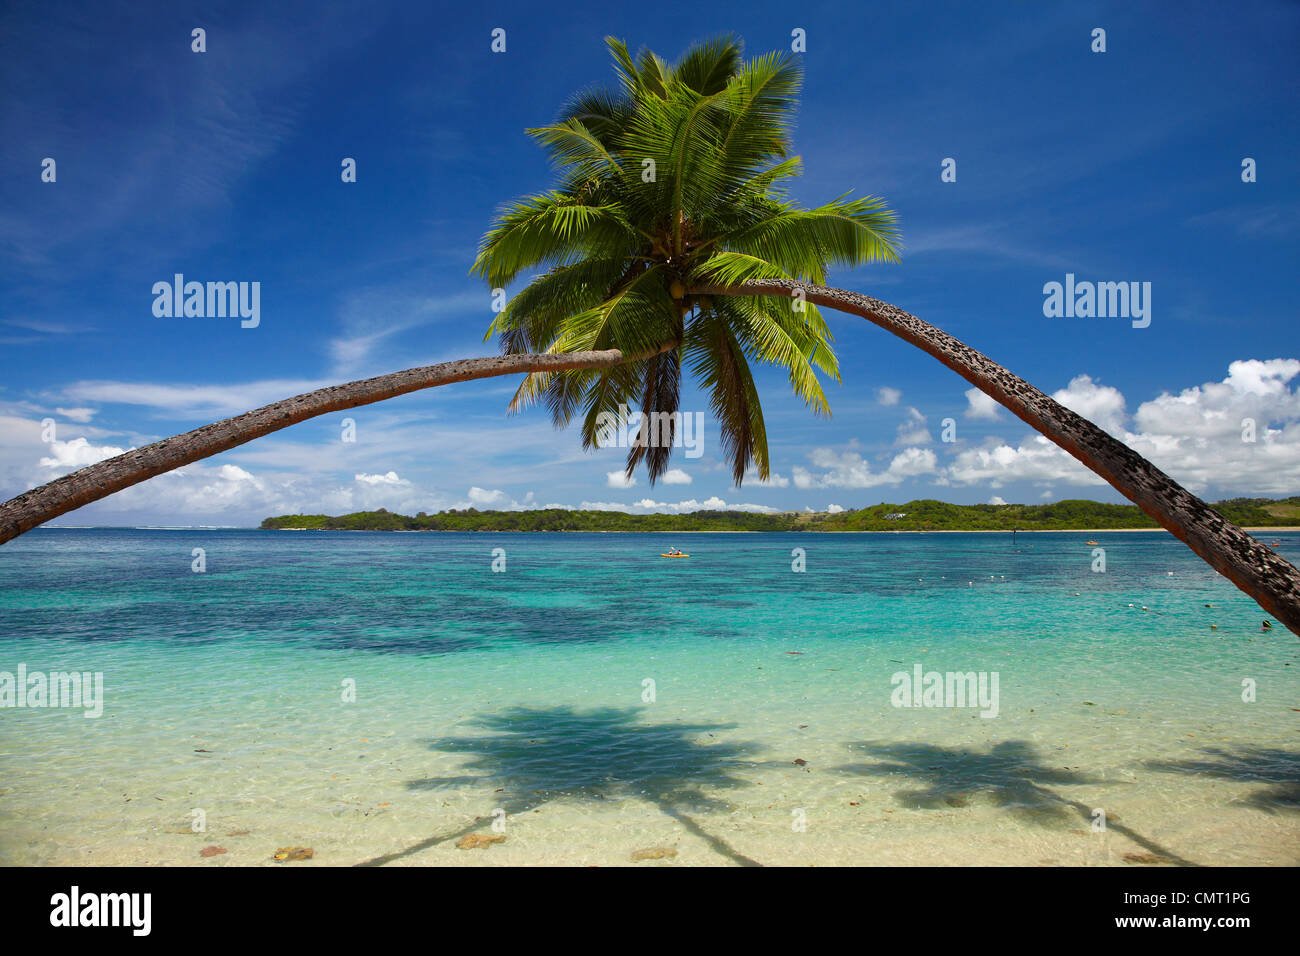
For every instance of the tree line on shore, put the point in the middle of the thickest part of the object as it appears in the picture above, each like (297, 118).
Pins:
(921, 515)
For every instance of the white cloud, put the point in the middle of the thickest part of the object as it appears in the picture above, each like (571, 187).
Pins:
(77, 454)
(1253, 389)
(1037, 459)
(371, 316)
(774, 480)
(1195, 436)
(912, 430)
(834, 509)
(1100, 404)
(386, 479)
(79, 415)
(979, 405)
(997, 500)
(850, 470)
(175, 401)
(888, 396)
(619, 479)
(483, 498)
(675, 476)
(497, 500)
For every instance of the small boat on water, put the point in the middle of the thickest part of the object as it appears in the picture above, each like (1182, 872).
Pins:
(677, 555)
(1090, 542)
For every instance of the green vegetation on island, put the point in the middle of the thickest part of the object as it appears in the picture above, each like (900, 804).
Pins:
(922, 515)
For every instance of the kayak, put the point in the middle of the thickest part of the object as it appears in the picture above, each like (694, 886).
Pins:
(674, 555)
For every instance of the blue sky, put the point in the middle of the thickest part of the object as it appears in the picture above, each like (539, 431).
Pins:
(225, 166)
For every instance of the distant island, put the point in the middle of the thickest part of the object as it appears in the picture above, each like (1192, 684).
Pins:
(922, 515)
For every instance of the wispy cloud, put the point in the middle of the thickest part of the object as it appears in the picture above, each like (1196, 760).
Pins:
(183, 401)
(371, 317)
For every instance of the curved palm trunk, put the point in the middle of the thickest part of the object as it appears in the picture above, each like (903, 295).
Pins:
(1251, 566)
(113, 474)
(1255, 569)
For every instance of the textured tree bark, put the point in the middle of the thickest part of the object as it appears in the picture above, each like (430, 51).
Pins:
(1254, 568)
(113, 474)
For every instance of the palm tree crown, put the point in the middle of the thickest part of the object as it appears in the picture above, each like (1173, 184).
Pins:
(671, 180)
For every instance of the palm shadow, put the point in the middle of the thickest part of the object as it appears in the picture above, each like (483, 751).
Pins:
(528, 757)
(1278, 769)
(1010, 775)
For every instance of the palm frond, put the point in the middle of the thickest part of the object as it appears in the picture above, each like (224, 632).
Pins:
(671, 179)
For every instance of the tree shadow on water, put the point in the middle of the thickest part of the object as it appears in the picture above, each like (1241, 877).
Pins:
(534, 756)
(1010, 775)
(1279, 769)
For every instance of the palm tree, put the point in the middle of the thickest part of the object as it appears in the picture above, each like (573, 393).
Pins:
(668, 242)
(670, 182)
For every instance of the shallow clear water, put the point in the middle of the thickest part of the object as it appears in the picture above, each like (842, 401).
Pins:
(523, 695)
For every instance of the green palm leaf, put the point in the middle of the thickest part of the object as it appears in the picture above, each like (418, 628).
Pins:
(672, 180)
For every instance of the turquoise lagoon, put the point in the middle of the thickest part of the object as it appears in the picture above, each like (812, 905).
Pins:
(378, 696)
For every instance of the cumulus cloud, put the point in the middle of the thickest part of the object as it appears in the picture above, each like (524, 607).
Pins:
(979, 405)
(1199, 436)
(912, 430)
(386, 479)
(851, 470)
(888, 396)
(1100, 404)
(483, 498)
(497, 500)
(78, 453)
(997, 500)
(834, 509)
(774, 479)
(619, 479)
(675, 476)
(1036, 459)
(1253, 389)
